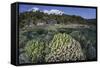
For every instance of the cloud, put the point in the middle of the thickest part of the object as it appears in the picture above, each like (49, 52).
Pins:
(34, 9)
(46, 11)
(53, 11)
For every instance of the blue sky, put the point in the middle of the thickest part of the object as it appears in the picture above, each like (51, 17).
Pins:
(87, 13)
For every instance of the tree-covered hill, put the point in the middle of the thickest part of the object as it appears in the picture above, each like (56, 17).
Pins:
(27, 18)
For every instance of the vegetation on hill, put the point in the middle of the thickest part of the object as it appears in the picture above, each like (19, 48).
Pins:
(36, 17)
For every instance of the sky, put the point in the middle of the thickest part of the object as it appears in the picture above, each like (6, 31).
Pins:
(87, 13)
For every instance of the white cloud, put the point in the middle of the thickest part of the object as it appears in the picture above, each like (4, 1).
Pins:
(34, 9)
(53, 11)
(46, 11)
